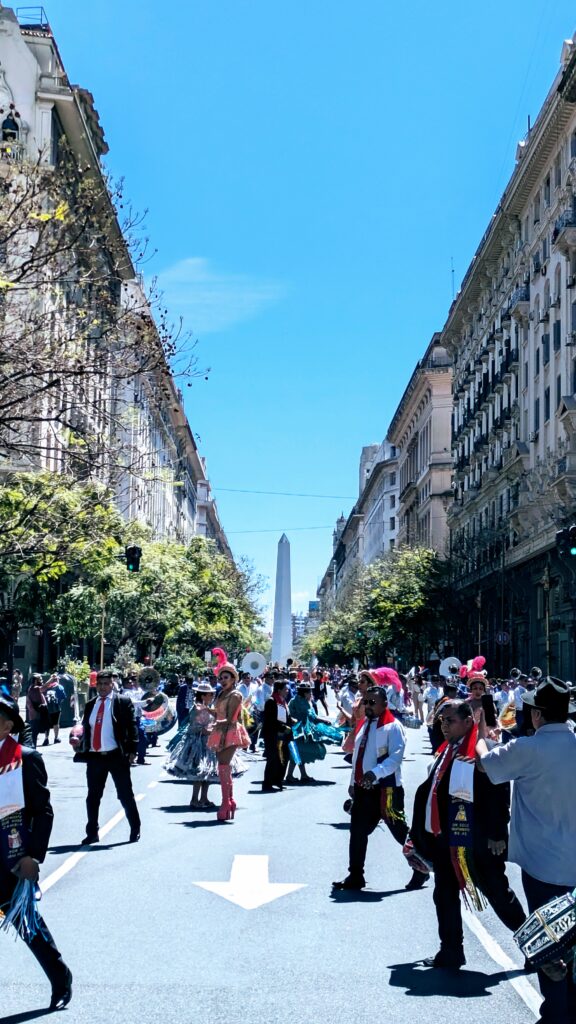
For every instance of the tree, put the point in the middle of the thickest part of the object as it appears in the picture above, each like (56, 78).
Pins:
(401, 603)
(183, 601)
(76, 326)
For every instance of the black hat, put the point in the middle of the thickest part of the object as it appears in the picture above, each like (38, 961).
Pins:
(551, 696)
(9, 709)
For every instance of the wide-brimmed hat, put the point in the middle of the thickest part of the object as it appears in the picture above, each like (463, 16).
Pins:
(552, 696)
(9, 709)
(204, 688)
(227, 667)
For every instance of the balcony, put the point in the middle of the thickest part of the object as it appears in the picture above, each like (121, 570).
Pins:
(564, 234)
(520, 302)
(53, 85)
(12, 151)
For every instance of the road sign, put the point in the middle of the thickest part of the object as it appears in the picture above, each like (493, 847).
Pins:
(502, 638)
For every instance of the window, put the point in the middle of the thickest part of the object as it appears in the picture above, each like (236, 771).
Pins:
(545, 349)
(573, 145)
(391, 545)
(574, 376)
(558, 390)
(547, 191)
(537, 363)
(546, 405)
(392, 522)
(392, 501)
(536, 217)
(392, 479)
(537, 414)
(557, 172)
(525, 375)
(556, 335)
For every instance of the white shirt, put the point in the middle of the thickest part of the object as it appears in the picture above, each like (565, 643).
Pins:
(107, 738)
(395, 699)
(384, 749)
(347, 698)
(261, 695)
(518, 702)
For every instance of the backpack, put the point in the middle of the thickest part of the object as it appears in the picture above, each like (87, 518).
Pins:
(52, 700)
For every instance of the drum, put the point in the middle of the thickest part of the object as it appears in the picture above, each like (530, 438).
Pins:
(550, 931)
(158, 717)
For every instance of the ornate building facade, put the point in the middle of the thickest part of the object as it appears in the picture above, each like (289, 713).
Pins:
(420, 430)
(511, 333)
(164, 484)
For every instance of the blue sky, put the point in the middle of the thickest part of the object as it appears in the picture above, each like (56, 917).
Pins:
(309, 168)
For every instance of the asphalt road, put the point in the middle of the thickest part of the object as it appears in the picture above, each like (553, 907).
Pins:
(145, 943)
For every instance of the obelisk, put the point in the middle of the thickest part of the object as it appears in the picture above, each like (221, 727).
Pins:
(282, 631)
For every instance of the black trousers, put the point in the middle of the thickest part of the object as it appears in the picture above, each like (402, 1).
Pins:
(98, 768)
(365, 816)
(42, 945)
(276, 754)
(559, 1006)
(492, 882)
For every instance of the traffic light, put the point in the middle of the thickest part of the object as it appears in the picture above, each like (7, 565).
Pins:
(133, 556)
(562, 542)
(566, 542)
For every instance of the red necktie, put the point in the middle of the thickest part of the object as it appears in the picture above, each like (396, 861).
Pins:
(359, 768)
(97, 735)
(443, 765)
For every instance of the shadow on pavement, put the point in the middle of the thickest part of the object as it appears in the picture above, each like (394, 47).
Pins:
(213, 822)
(362, 895)
(177, 809)
(335, 824)
(418, 980)
(20, 1018)
(74, 847)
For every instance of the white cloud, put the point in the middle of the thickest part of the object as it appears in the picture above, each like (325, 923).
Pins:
(300, 595)
(210, 301)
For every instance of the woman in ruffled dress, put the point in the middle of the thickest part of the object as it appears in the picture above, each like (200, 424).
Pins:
(228, 735)
(310, 732)
(190, 758)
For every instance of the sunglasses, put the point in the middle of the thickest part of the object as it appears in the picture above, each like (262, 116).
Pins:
(371, 702)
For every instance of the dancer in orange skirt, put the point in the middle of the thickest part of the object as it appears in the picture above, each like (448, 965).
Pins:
(227, 735)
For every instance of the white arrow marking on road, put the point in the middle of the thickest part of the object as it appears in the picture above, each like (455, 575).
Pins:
(249, 886)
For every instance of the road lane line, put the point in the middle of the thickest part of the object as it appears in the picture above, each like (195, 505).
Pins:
(525, 990)
(75, 858)
(59, 873)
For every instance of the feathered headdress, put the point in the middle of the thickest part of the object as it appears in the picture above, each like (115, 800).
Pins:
(474, 667)
(384, 676)
(221, 657)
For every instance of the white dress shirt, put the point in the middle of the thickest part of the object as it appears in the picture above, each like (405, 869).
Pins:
(384, 749)
(107, 738)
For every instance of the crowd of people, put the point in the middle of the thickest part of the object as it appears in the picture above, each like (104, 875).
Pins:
(466, 821)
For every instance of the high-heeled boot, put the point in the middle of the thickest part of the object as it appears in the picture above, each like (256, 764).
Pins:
(232, 800)
(225, 810)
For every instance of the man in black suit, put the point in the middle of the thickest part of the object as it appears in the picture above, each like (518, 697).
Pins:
(460, 825)
(24, 835)
(108, 746)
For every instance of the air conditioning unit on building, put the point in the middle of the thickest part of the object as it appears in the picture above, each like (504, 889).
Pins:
(533, 436)
(571, 281)
(571, 338)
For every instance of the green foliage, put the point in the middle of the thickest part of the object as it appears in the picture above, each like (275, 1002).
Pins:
(51, 525)
(79, 670)
(402, 602)
(183, 601)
